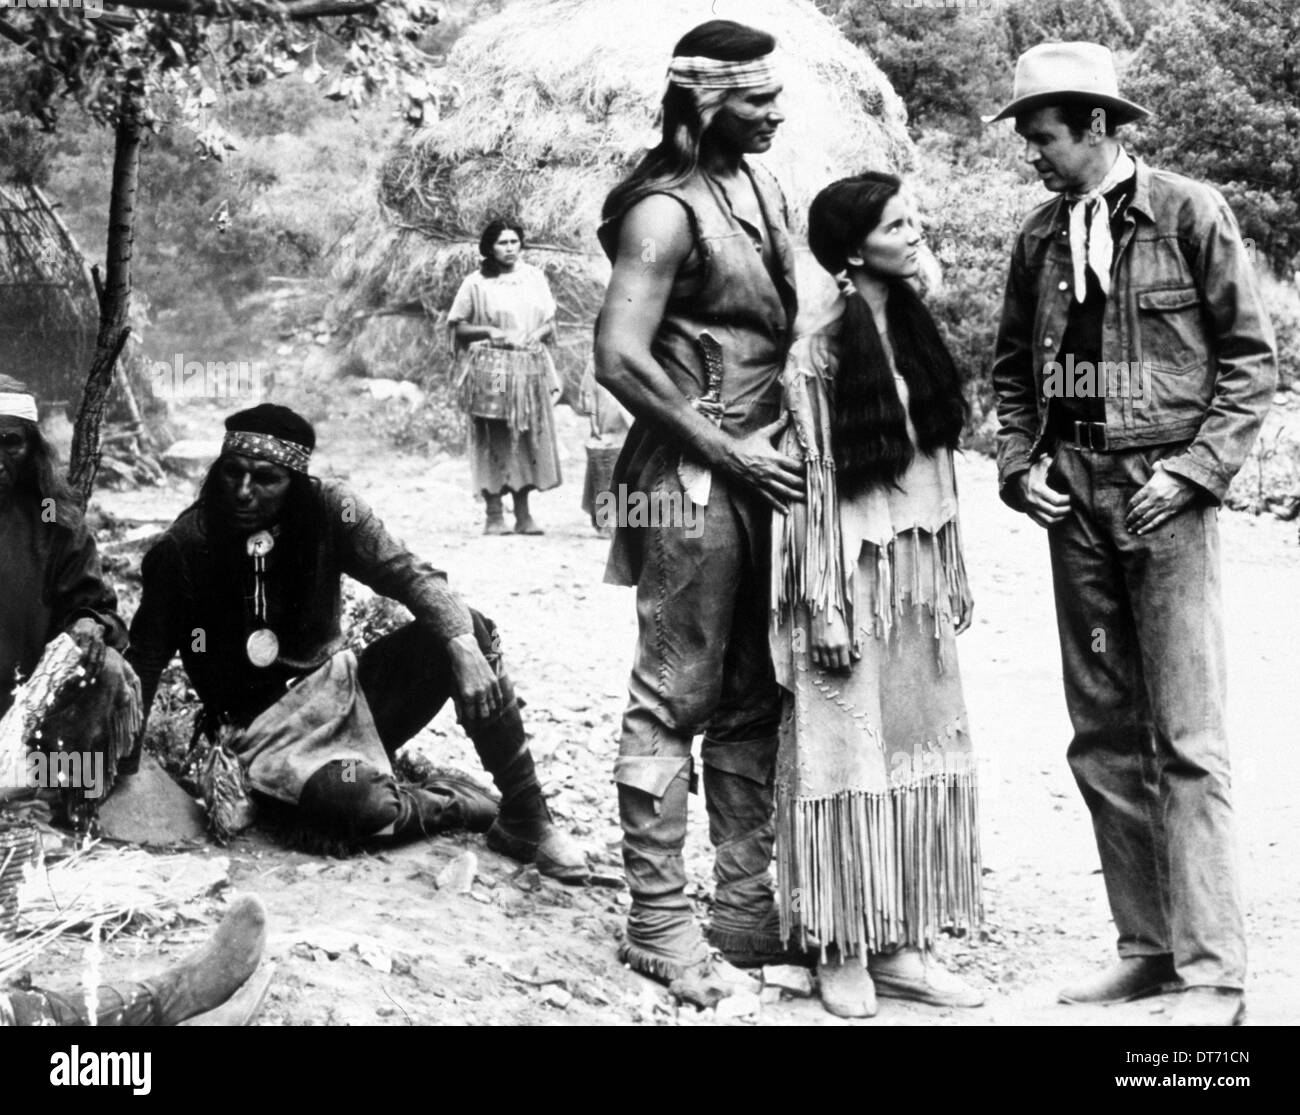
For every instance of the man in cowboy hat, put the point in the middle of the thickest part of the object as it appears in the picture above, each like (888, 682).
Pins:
(1133, 368)
(246, 583)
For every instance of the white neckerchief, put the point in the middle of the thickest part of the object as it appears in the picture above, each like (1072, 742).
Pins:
(1091, 244)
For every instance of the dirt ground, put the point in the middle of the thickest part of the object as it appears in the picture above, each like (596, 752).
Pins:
(372, 939)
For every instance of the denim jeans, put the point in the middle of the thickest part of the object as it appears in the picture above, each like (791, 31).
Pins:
(1141, 631)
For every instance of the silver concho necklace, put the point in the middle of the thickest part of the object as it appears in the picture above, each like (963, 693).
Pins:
(262, 647)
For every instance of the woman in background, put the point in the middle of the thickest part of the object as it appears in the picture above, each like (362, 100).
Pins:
(877, 823)
(502, 318)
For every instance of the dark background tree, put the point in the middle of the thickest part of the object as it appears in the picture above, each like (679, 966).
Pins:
(157, 63)
(949, 64)
(1222, 78)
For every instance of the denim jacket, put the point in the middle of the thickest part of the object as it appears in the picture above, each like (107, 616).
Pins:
(1193, 351)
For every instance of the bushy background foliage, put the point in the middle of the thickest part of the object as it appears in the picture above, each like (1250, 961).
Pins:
(219, 240)
(1221, 77)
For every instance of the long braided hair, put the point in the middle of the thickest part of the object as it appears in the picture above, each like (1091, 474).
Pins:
(869, 426)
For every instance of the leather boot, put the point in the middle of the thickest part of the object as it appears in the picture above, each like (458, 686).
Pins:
(524, 829)
(1129, 978)
(441, 803)
(200, 983)
(524, 521)
(745, 926)
(495, 522)
(662, 938)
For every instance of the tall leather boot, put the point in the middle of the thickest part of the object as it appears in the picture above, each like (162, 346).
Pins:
(203, 981)
(662, 939)
(524, 829)
(738, 791)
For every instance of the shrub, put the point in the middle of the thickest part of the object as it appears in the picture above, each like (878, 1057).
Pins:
(973, 206)
(1220, 79)
(1113, 23)
(943, 62)
(1283, 302)
(952, 64)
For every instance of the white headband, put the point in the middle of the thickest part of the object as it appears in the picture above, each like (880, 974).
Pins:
(712, 73)
(14, 404)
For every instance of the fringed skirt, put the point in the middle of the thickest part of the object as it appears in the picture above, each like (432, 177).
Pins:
(877, 814)
(516, 446)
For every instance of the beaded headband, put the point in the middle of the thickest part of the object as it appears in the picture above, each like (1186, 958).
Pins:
(267, 447)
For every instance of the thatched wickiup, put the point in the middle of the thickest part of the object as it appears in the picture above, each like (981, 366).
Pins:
(551, 103)
(48, 312)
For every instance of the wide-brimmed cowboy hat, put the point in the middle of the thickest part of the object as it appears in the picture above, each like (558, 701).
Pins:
(1059, 73)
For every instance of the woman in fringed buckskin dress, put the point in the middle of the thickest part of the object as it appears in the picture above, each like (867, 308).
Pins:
(877, 822)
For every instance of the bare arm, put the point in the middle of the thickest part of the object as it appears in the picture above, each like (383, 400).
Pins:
(654, 243)
(543, 334)
(465, 333)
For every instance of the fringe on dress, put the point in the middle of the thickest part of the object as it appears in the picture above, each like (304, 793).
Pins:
(877, 797)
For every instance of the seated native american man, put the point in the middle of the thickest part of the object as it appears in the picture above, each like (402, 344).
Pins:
(51, 583)
(247, 584)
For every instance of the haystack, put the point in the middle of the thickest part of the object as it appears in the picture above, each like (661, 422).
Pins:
(48, 310)
(552, 101)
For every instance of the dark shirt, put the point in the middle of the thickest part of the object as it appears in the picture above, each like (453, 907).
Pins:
(1083, 329)
(193, 602)
(50, 577)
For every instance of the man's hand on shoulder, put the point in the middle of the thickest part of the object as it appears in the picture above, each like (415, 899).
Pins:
(478, 688)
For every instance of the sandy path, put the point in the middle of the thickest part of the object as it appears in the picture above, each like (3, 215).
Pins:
(517, 949)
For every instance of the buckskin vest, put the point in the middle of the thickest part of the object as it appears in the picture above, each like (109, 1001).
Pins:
(727, 290)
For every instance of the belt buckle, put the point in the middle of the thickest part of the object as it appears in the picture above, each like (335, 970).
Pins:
(1091, 435)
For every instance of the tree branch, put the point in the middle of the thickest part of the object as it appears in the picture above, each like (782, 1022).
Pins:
(114, 297)
(10, 32)
(252, 10)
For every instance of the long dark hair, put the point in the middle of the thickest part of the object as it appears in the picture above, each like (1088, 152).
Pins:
(687, 113)
(868, 424)
(42, 477)
(489, 266)
(298, 548)
(41, 473)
